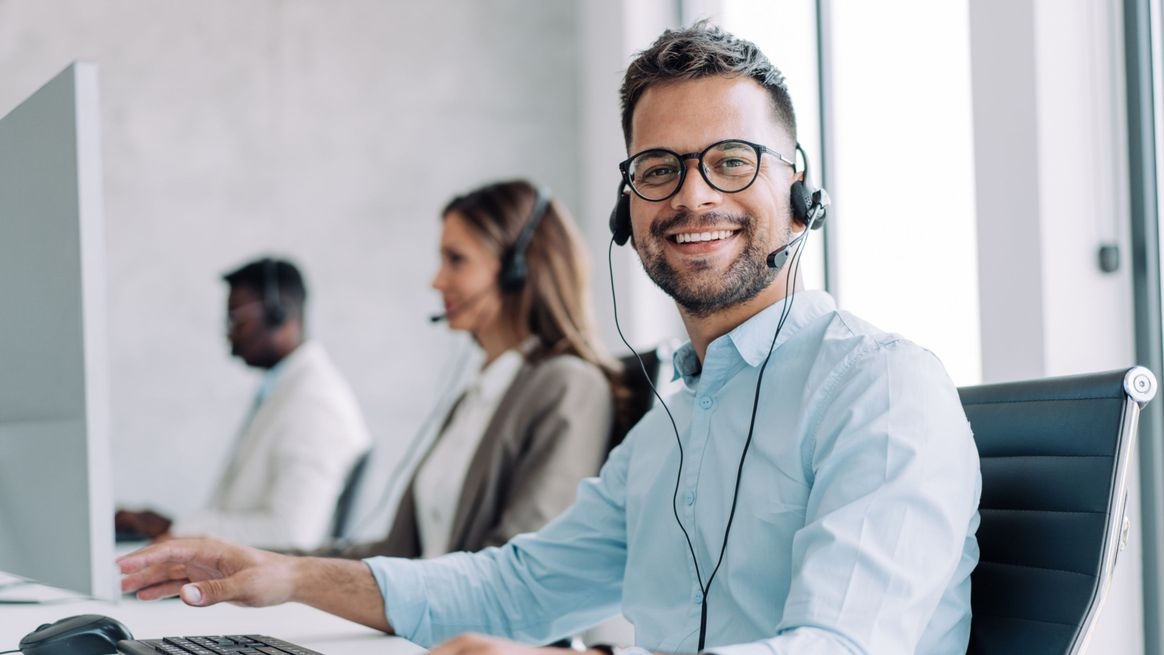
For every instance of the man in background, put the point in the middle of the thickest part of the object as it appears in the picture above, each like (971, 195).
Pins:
(301, 438)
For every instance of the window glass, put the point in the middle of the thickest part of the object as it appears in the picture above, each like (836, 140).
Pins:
(902, 174)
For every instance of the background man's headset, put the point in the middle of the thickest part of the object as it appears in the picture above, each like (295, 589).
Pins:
(514, 268)
(274, 314)
(809, 207)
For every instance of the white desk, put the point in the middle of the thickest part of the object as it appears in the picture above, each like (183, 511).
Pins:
(149, 620)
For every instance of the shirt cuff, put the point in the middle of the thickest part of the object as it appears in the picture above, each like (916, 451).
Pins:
(402, 587)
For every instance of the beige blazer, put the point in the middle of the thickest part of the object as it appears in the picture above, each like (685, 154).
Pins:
(548, 433)
(293, 457)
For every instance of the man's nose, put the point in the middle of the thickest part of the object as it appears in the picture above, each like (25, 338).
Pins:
(694, 192)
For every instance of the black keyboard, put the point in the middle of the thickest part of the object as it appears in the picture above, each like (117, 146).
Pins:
(213, 645)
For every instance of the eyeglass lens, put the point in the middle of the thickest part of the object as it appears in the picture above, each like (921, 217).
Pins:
(729, 167)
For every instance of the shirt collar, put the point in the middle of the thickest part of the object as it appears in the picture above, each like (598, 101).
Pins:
(271, 376)
(495, 378)
(751, 339)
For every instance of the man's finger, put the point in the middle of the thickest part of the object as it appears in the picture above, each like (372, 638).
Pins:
(154, 575)
(193, 594)
(220, 590)
(158, 591)
(153, 555)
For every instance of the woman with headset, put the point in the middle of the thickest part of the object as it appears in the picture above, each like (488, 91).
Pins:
(537, 418)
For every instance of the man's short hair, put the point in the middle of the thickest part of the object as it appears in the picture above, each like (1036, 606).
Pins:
(702, 50)
(276, 281)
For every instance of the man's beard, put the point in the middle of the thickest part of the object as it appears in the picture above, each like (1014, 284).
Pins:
(262, 356)
(704, 291)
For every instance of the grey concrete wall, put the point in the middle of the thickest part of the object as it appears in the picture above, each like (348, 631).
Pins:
(331, 132)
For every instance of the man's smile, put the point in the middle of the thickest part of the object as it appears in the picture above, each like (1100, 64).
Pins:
(697, 237)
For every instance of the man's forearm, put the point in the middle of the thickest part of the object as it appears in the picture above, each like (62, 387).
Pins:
(345, 588)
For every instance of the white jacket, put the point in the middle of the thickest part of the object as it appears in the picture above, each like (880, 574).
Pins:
(293, 458)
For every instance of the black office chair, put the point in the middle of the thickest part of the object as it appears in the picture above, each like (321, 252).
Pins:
(641, 397)
(1055, 457)
(347, 497)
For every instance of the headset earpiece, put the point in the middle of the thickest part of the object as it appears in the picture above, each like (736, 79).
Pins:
(514, 269)
(274, 314)
(809, 205)
(801, 200)
(620, 219)
(513, 272)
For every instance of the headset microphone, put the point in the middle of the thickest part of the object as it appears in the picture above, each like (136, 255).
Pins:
(778, 257)
(461, 306)
(811, 213)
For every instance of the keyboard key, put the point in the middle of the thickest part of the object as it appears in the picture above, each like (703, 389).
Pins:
(214, 645)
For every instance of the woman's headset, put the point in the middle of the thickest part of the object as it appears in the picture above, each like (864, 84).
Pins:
(514, 269)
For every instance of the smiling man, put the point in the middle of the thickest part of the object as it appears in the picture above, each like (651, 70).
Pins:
(812, 489)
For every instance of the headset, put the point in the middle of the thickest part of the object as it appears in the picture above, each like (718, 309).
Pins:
(514, 269)
(809, 205)
(274, 314)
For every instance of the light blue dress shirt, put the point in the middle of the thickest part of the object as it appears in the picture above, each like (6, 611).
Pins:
(854, 531)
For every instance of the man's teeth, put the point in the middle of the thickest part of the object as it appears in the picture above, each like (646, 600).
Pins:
(693, 237)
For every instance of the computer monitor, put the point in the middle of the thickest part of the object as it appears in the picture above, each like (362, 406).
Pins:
(56, 492)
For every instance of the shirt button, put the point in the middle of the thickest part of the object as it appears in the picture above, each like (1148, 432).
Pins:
(706, 402)
(689, 497)
(698, 598)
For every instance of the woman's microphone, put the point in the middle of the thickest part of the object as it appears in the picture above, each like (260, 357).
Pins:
(461, 306)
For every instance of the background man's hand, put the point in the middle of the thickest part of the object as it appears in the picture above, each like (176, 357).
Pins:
(146, 523)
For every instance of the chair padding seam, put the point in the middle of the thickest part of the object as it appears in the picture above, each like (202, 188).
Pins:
(1044, 511)
(1047, 456)
(1028, 567)
(1016, 401)
(1022, 618)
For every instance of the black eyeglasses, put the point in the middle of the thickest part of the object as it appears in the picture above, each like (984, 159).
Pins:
(729, 166)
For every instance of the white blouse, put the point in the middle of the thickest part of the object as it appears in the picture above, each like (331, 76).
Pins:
(439, 481)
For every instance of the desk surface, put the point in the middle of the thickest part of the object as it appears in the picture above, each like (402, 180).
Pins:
(149, 620)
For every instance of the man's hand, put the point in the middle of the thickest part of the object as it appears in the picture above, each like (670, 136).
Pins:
(205, 572)
(470, 644)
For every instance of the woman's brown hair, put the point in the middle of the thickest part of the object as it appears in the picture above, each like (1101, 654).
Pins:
(553, 304)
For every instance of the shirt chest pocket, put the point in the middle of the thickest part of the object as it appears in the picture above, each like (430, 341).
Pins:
(776, 498)
(774, 514)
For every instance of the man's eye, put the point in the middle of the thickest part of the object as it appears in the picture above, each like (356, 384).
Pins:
(657, 174)
(734, 166)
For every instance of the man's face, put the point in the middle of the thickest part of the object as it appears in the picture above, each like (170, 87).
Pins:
(671, 236)
(247, 329)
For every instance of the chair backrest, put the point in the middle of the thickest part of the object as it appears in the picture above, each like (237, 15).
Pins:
(1055, 457)
(642, 398)
(343, 505)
